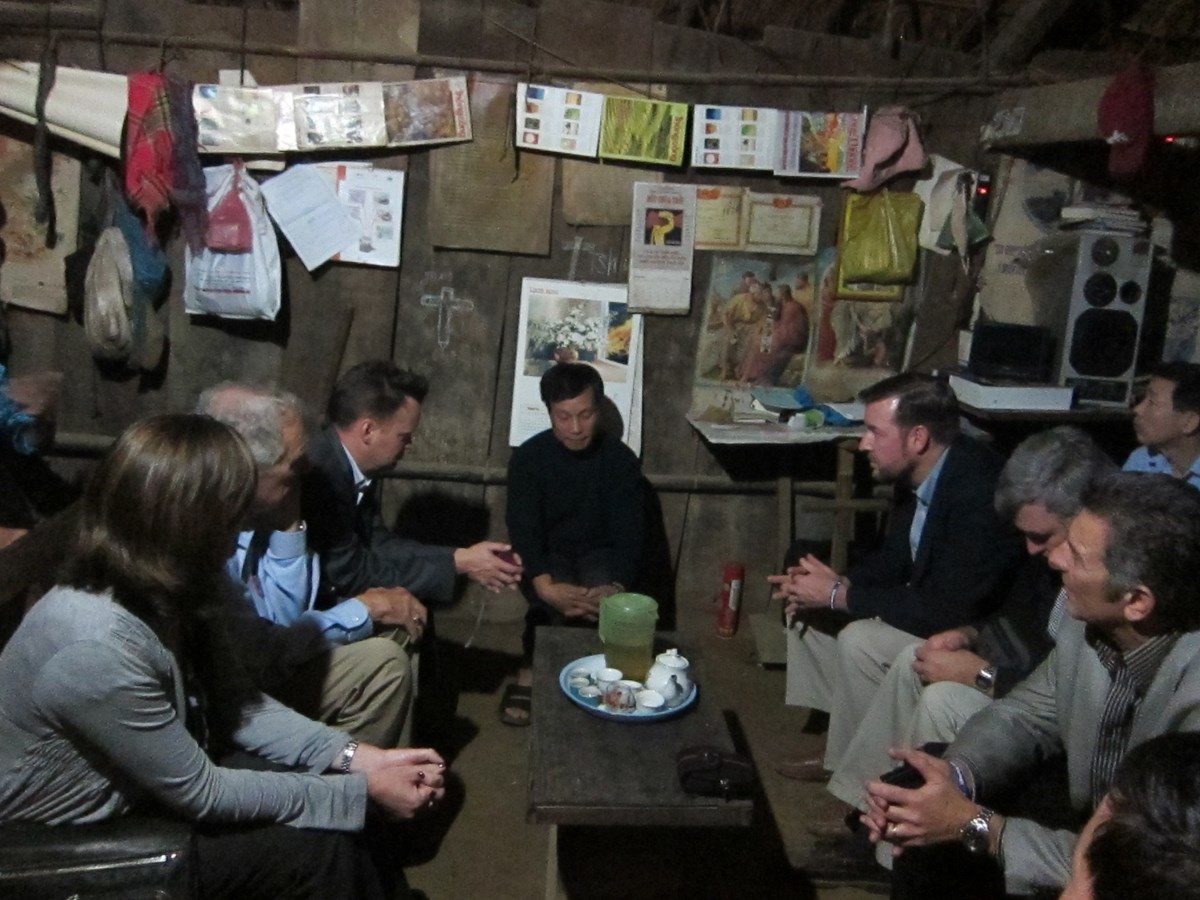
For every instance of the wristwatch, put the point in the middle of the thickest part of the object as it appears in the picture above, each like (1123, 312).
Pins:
(976, 833)
(985, 679)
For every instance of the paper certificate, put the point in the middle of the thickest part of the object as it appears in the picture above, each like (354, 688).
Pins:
(235, 119)
(783, 223)
(558, 120)
(427, 111)
(734, 137)
(572, 321)
(660, 253)
(821, 144)
(720, 217)
(651, 131)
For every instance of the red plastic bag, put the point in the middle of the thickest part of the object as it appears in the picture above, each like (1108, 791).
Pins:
(229, 226)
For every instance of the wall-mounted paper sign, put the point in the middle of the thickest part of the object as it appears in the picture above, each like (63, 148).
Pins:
(820, 144)
(558, 120)
(235, 119)
(339, 115)
(783, 223)
(660, 254)
(650, 131)
(427, 111)
(734, 137)
(374, 199)
(720, 217)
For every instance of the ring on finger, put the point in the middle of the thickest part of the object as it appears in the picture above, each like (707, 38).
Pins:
(893, 830)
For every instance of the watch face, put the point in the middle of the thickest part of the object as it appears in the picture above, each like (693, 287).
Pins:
(985, 679)
(975, 841)
(975, 833)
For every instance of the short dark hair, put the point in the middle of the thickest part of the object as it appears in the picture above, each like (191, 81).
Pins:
(1186, 377)
(1153, 539)
(375, 388)
(1148, 847)
(922, 400)
(566, 381)
(1053, 468)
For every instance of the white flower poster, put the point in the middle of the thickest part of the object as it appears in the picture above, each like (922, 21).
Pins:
(573, 321)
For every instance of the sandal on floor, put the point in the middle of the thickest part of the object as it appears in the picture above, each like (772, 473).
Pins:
(516, 697)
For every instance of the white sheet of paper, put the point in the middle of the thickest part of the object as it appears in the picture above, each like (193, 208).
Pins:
(308, 212)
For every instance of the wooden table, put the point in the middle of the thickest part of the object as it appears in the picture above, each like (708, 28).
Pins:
(587, 770)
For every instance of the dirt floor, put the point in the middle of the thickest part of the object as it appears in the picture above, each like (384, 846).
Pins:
(480, 845)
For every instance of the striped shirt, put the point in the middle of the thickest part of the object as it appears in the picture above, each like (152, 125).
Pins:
(1131, 673)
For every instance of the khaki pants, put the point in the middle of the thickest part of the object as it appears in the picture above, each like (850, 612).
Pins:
(365, 688)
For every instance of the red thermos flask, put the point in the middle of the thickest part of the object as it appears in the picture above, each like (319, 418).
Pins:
(732, 576)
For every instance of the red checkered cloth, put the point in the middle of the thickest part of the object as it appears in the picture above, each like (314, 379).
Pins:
(149, 145)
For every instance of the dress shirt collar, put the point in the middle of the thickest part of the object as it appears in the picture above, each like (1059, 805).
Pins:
(1141, 662)
(925, 490)
(361, 481)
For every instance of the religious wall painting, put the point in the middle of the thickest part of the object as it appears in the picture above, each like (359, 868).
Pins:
(856, 342)
(756, 321)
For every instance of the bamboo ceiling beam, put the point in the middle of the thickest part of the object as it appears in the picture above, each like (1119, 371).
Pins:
(979, 84)
(1014, 43)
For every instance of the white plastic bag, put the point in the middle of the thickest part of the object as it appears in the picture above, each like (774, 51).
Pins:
(235, 285)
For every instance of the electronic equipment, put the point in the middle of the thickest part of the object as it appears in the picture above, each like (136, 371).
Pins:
(1012, 352)
(1100, 318)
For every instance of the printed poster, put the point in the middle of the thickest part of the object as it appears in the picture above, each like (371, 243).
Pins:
(757, 324)
(821, 144)
(558, 120)
(640, 130)
(342, 115)
(782, 223)
(572, 321)
(856, 342)
(661, 241)
(235, 119)
(374, 199)
(720, 217)
(426, 111)
(734, 137)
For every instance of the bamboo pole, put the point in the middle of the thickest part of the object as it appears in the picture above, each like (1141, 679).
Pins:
(980, 84)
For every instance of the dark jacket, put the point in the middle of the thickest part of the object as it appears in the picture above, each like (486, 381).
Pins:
(357, 550)
(964, 563)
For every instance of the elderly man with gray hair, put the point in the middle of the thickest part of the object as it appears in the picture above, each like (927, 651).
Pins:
(325, 659)
(932, 687)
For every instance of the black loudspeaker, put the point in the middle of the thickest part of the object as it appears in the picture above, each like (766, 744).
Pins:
(1012, 352)
(1104, 317)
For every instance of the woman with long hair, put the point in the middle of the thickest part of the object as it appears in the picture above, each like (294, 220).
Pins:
(119, 689)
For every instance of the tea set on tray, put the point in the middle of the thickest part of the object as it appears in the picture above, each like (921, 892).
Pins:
(667, 688)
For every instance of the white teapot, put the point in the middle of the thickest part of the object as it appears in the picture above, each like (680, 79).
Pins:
(669, 676)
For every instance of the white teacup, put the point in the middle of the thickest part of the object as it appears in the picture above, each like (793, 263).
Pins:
(650, 701)
(605, 678)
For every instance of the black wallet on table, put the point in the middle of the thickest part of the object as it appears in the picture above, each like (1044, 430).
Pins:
(712, 772)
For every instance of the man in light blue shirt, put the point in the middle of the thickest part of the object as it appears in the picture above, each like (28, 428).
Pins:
(1167, 424)
(322, 658)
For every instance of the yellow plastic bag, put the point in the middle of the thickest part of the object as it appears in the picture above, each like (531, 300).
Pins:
(879, 237)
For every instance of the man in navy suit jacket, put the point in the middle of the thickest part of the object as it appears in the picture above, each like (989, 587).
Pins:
(946, 558)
